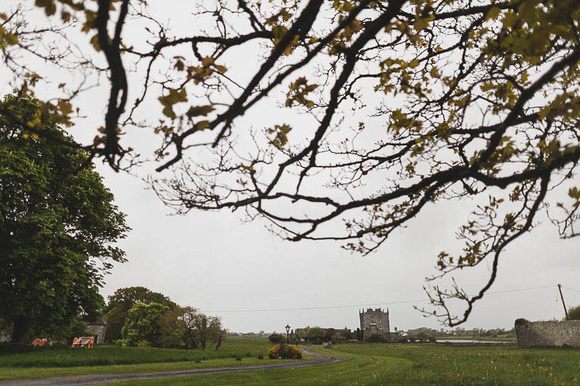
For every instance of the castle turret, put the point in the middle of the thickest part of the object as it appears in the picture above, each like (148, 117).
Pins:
(374, 321)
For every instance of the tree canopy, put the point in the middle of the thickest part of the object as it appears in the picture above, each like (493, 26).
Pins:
(58, 226)
(380, 109)
(143, 325)
(121, 302)
(138, 316)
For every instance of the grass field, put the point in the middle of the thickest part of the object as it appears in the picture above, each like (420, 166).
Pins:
(376, 364)
(366, 364)
(29, 362)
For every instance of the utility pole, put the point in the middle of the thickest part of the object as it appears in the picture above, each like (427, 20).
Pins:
(564, 304)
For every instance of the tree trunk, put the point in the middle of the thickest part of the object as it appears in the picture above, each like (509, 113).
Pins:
(219, 342)
(193, 342)
(20, 329)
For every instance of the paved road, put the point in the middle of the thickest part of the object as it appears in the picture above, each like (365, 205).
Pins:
(97, 379)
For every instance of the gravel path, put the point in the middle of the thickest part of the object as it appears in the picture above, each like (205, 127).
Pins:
(319, 359)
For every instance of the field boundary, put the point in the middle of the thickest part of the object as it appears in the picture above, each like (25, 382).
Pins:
(319, 359)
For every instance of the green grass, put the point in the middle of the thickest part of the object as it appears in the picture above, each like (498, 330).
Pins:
(358, 369)
(114, 355)
(478, 365)
(30, 362)
(366, 364)
(47, 372)
(376, 364)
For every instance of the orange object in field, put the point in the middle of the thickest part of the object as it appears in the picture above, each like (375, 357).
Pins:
(39, 342)
(83, 341)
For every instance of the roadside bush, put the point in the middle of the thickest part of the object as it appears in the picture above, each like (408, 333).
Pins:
(285, 351)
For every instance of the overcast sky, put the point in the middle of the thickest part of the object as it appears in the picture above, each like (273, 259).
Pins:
(254, 281)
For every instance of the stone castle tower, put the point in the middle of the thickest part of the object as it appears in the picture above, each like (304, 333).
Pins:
(374, 321)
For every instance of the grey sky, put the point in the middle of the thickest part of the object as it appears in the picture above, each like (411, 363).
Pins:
(214, 262)
(255, 281)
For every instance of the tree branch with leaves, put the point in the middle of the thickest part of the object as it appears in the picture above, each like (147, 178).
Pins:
(398, 105)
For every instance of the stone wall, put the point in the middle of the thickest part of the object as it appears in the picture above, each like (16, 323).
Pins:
(98, 331)
(553, 333)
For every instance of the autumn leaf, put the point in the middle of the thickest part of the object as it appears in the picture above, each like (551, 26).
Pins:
(195, 111)
(174, 96)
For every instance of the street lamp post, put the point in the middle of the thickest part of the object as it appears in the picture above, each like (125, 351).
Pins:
(287, 333)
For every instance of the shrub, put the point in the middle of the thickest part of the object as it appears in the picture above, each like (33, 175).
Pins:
(277, 338)
(376, 338)
(422, 337)
(285, 351)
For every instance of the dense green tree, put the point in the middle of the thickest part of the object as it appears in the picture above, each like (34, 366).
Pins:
(405, 103)
(58, 226)
(174, 329)
(329, 335)
(314, 334)
(143, 325)
(121, 302)
(157, 325)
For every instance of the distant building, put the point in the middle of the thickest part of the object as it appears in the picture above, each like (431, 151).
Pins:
(98, 329)
(374, 322)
